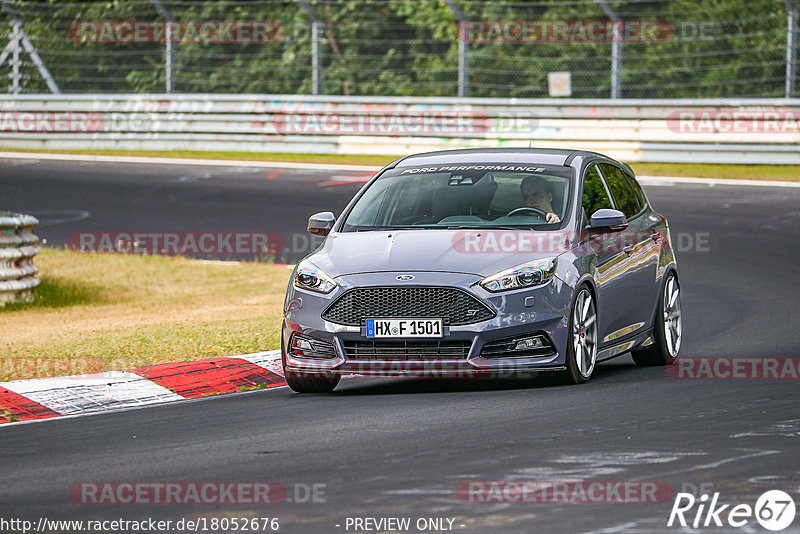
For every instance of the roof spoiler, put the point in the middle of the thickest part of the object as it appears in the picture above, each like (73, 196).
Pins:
(572, 156)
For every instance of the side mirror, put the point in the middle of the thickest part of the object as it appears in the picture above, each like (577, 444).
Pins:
(321, 223)
(606, 219)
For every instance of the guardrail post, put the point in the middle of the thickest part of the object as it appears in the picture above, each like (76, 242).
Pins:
(316, 58)
(17, 249)
(791, 46)
(316, 50)
(463, 51)
(616, 49)
(15, 74)
(169, 53)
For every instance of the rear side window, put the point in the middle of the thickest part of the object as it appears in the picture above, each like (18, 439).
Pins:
(621, 191)
(637, 189)
(594, 192)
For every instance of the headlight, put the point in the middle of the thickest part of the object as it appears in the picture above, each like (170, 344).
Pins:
(531, 274)
(308, 276)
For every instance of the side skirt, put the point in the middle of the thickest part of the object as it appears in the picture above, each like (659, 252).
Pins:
(641, 339)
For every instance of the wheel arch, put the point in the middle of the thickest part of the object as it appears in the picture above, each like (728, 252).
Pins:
(669, 269)
(590, 283)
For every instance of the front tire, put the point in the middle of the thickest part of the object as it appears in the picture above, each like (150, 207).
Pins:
(308, 382)
(667, 330)
(582, 349)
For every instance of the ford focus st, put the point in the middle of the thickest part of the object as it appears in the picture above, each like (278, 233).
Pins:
(471, 262)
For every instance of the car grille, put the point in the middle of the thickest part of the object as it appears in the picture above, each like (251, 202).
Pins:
(454, 306)
(407, 350)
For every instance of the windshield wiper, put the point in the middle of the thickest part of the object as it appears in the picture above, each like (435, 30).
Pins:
(385, 228)
(492, 227)
(445, 227)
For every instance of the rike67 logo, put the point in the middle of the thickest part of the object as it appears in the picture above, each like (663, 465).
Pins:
(774, 510)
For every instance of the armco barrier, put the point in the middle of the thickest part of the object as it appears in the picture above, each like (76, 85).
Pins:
(702, 130)
(17, 249)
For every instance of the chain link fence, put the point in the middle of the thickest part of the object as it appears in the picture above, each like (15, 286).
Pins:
(527, 49)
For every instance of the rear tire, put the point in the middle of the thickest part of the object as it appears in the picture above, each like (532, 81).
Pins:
(667, 330)
(582, 348)
(308, 382)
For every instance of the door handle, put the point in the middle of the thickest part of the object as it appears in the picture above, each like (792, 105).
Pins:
(628, 249)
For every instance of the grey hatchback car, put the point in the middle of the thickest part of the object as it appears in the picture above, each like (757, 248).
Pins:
(467, 263)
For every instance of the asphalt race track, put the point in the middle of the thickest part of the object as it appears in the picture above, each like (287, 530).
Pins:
(400, 448)
(74, 197)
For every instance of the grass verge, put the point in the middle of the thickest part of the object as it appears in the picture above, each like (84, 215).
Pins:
(790, 173)
(99, 312)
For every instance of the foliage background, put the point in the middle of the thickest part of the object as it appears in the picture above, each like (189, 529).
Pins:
(720, 48)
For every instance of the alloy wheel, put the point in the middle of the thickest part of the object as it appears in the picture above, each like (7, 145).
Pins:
(584, 333)
(673, 325)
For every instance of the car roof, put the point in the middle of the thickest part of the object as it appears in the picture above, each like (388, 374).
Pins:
(544, 156)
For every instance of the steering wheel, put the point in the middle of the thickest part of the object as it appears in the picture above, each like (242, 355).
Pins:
(522, 210)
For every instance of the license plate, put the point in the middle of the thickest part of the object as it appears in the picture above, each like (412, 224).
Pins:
(404, 328)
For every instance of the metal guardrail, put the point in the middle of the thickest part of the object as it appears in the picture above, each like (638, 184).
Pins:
(696, 130)
(17, 249)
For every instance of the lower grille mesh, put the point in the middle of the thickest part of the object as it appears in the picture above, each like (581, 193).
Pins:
(456, 307)
(407, 350)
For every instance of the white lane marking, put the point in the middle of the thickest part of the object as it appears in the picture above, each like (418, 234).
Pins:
(625, 527)
(187, 161)
(595, 465)
(88, 393)
(784, 429)
(653, 183)
(269, 360)
(190, 178)
(225, 263)
(19, 162)
(419, 491)
(714, 465)
(53, 217)
(132, 408)
(671, 180)
(654, 180)
(115, 391)
(622, 458)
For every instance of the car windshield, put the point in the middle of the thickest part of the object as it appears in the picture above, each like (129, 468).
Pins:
(464, 196)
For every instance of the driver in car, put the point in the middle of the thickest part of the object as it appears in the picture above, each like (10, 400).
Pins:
(537, 193)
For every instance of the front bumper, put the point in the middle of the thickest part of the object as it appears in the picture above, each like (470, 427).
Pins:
(521, 313)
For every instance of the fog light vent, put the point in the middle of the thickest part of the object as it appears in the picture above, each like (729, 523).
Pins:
(516, 347)
(307, 347)
(535, 342)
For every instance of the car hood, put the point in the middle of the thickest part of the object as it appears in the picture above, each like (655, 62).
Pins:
(482, 252)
